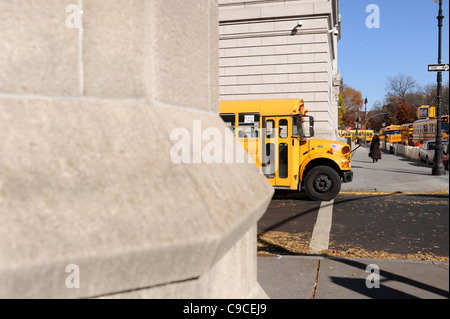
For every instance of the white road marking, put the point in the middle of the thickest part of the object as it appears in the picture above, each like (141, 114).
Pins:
(321, 233)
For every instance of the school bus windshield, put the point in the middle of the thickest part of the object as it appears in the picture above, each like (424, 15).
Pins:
(297, 128)
(393, 132)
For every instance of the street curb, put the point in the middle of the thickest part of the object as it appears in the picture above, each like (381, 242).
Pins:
(377, 192)
(434, 262)
(324, 257)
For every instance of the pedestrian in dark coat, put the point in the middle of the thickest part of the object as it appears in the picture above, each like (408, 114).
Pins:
(375, 152)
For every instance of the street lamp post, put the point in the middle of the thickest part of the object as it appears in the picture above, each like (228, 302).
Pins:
(438, 167)
(365, 122)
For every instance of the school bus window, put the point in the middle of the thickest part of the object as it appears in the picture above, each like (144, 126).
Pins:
(270, 160)
(297, 129)
(270, 129)
(229, 120)
(283, 160)
(283, 126)
(248, 125)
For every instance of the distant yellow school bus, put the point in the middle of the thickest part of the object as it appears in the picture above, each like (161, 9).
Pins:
(407, 134)
(391, 134)
(277, 134)
(365, 134)
(346, 133)
(361, 134)
(445, 127)
(425, 129)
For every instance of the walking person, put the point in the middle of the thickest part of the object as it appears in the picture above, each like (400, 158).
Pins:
(375, 152)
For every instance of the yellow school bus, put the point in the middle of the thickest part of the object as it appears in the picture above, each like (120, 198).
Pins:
(391, 134)
(278, 135)
(382, 135)
(425, 129)
(347, 134)
(407, 134)
(361, 135)
(366, 134)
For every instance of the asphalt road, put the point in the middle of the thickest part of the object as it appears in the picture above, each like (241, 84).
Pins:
(363, 224)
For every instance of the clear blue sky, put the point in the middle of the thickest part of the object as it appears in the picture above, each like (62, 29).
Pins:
(405, 43)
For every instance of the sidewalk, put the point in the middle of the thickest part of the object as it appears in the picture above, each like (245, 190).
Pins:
(315, 277)
(392, 174)
(319, 277)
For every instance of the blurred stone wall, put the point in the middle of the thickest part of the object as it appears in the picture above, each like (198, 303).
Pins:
(91, 203)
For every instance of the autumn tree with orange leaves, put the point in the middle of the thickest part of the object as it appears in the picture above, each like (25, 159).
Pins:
(405, 113)
(403, 97)
(350, 101)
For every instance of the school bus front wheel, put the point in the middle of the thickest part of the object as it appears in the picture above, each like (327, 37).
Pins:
(322, 183)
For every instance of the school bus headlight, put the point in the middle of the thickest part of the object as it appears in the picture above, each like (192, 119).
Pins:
(345, 150)
(346, 164)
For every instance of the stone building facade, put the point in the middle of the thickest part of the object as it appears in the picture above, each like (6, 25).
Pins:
(264, 54)
(91, 204)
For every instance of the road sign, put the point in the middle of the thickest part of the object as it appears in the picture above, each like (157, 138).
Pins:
(438, 67)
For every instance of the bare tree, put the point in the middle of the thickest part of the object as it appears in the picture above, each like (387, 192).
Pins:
(429, 93)
(399, 86)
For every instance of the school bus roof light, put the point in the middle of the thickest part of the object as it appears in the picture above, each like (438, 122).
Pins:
(301, 108)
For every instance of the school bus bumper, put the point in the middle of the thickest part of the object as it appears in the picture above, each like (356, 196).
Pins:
(347, 176)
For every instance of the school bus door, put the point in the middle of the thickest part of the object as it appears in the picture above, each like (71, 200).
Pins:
(277, 140)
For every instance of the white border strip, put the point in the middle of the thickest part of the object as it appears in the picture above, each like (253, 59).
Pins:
(321, 234)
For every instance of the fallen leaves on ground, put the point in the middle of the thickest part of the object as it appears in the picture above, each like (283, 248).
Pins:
(282, 243)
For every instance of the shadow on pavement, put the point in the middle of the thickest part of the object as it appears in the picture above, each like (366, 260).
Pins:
(358, 285)
(384, 292)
